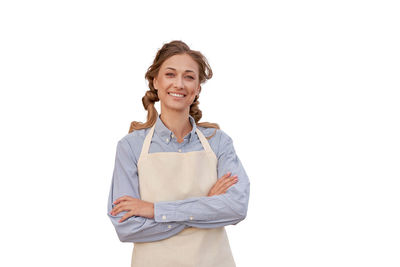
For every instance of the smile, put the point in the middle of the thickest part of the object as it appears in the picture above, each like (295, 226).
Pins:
(177, 95)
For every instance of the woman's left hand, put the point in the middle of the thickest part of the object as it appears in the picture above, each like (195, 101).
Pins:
(133, 206)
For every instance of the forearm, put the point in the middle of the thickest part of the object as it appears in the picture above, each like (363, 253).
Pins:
(140, 229)
(205, 212)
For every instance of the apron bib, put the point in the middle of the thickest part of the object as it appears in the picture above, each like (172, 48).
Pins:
(170, 176)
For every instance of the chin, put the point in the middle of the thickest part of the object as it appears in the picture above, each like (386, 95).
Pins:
(177, 107)
(182, 109)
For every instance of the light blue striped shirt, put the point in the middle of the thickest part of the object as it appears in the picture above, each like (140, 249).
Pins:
(202, 212)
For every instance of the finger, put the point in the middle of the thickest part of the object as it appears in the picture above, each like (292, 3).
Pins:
(226, 186)
(225, 175)
(217, 185)
(115, 211)
(115, 207)
(222, 180)
(231, 183)
(123, 198)
(118, 200)
(121, 207)
(126, 216)
(226, 181)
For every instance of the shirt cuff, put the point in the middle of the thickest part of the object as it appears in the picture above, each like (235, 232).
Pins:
(168, 212)
(164, 213)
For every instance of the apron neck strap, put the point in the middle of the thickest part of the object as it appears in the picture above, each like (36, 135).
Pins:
(149, 136)
(204, 141)
(147, 141)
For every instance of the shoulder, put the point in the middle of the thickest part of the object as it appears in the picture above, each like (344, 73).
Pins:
(134, 141)
(219, 141)
(220, 135)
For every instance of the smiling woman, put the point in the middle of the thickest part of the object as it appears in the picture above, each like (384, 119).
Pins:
(175, 63)
(175, 87)
(173, 189)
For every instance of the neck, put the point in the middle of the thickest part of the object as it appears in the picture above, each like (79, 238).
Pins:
(177, 122)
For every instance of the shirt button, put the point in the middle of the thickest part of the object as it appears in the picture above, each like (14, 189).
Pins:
(179, 150)
(164, 217)
(169, 226)
(191, 218)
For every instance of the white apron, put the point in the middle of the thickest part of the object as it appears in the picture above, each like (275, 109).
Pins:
(170, 176)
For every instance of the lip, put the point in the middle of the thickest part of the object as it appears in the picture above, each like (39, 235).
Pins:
(178, 94)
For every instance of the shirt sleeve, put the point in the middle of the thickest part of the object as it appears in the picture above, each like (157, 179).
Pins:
(214, 211)
(125, 182)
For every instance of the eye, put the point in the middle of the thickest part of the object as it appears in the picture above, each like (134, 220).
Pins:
(191, 77)
(169, 74)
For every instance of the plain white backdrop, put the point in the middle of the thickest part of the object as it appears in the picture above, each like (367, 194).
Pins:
(308, 91)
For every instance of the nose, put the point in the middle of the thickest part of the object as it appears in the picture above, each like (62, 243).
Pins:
(179, 82)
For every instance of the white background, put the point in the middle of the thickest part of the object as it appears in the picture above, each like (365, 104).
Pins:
(308, 91)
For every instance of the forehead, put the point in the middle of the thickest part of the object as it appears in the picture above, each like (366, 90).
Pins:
(181, 63)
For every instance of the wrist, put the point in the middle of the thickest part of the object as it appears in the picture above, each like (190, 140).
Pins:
(152, 210)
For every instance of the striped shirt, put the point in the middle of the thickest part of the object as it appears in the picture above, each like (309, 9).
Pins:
(171, 217)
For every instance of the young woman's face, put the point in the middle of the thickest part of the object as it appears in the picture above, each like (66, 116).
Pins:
(178, 74)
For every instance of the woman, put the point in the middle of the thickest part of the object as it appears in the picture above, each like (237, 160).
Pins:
(165, 195)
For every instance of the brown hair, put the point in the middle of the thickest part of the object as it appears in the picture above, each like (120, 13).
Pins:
(205, 73)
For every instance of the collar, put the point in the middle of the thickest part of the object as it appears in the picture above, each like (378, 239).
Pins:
(166, 134)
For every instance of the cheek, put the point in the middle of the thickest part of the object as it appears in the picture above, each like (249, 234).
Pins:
(193, 90)
(163, 83)
(191, 95)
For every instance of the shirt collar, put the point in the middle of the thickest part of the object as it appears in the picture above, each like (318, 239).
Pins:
(166, 134)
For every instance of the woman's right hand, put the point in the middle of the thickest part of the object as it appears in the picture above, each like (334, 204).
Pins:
(222, 184)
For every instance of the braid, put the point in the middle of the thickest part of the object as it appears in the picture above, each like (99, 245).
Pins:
(150, 97)
(149, 100)
(195, 111)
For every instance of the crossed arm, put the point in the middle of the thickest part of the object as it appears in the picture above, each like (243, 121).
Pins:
(170, 217)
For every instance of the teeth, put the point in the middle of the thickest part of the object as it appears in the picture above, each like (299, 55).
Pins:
(177, 95)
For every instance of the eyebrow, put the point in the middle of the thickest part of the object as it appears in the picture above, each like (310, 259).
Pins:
(185, 70)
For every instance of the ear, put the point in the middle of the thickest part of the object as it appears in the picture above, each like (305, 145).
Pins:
(198, 90)
(155, 83)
